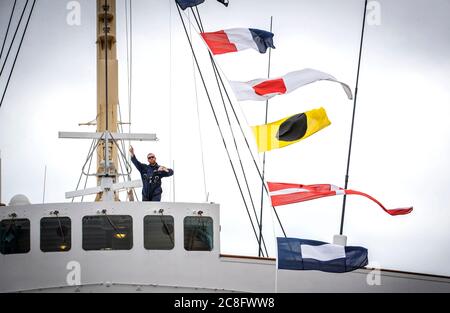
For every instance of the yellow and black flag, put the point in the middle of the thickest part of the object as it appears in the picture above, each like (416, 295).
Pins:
(290, 130)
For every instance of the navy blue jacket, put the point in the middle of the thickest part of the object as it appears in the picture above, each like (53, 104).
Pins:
(151, 179)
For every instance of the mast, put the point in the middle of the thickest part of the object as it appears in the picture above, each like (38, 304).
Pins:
(106, 138)
(353, 118)
(107, 91)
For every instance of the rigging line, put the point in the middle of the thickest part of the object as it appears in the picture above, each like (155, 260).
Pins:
(122, 153)
(129, 32)
(353, 118)
(128, 66)
(217, 121)
(264, 155)
(249, 149)
(14, 37)
(82, 169)
(199, 22)
(87, 177)
(128, 90)
(199, 122)
(248, 145)
(105, 29)
(251, 153)
(172, 185)
(7, 29)
(124, 159)
(216, 73)
(122, 143)
(90, 155)
(131, 63)
(18, 50)
(258, 222)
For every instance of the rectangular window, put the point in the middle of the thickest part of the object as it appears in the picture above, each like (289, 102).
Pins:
(55, 234)
(158, 232)
(198, 233)
(107, 232)
(15, 236)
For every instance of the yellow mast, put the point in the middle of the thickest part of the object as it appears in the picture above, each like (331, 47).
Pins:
(108, 185)
(107, 89)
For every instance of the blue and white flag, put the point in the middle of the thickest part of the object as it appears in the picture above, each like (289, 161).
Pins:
(303, 254)
(184, 4)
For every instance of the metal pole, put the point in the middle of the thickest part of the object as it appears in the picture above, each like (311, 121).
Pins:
(353, 118)
(45, 181)
(106, 31)
(264, 155)
(1, 178)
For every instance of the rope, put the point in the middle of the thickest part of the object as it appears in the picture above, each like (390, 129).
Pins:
(264, 155)
(172, 185)
(198, 120)
(233, 136)
(105, 29)
(7, 29)
(18, 50)
(217, 122)
(247, 144)
(129, 40)
(82, 169)
(14, 37)
(250, 151)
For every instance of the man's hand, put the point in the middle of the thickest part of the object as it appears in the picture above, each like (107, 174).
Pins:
(163, 169)
(131, 150)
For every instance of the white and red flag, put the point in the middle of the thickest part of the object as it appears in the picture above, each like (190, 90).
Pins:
(264, 89)
(284, 193)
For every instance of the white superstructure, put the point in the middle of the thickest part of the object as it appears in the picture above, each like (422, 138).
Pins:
(138, 269)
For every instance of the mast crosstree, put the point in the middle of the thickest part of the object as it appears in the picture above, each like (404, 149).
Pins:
(107, 111)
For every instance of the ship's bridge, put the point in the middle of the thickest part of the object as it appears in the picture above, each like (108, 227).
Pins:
(48, 245)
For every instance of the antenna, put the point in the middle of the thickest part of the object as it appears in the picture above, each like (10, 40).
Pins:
(264, 155)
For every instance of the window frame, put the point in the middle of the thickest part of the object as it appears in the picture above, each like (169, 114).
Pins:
(173, 232)
(211, 225)
(130, 233)
(68, 241)
(27, 220)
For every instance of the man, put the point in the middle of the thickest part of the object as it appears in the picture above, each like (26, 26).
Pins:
(151, 175)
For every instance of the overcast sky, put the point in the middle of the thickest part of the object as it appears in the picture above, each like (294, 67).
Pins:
(401, 141)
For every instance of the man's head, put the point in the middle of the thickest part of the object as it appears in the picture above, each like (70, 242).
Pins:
(151, 159)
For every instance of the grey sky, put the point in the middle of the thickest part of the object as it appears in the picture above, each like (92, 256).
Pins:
(401, 144)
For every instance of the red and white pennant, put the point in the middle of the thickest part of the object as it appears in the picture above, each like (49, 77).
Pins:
(283, 193)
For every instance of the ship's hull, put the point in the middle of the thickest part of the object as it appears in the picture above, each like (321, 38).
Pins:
(174, 270)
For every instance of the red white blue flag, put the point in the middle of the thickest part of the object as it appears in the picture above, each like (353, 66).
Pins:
(264, 89)
(283, 193)
(237, 39)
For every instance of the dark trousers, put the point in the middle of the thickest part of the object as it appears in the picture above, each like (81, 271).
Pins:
(152, 198)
